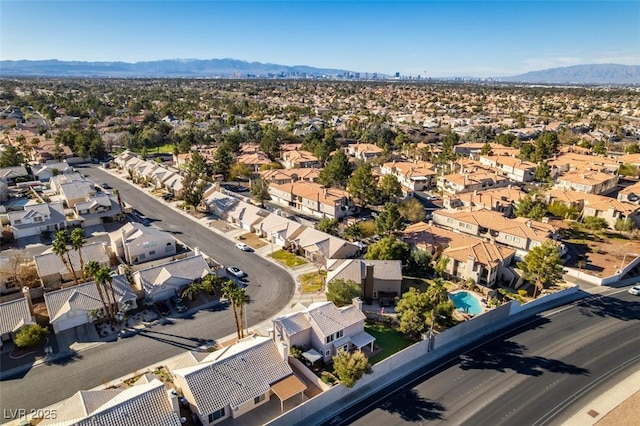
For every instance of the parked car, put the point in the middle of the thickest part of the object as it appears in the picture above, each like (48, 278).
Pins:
(243, 247)
(105, 185)
(163, 308)
(635, 290)
(235, 271)
(178, 304)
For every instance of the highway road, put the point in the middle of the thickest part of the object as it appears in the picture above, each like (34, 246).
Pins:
(269, 286)
(539, 374)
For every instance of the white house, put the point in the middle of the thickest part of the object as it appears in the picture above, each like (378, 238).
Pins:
(135, 243)
(146, 402)
(13, 316)
(166, 280)
(72, 306)
(37, 218)
(234, 380)
(324, 328)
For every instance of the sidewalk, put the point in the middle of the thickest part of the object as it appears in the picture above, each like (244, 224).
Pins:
(596, 410)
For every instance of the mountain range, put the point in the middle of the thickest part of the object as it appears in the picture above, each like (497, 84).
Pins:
(614, 74)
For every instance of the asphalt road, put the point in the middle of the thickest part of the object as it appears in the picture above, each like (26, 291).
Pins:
(269, 286)
(540, 374)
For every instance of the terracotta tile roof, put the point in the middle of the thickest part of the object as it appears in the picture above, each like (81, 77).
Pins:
(589, 178)
(305, 174)
(295, 157)
(492, 197)
(313, 191)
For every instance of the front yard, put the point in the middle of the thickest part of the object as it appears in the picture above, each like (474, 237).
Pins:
(288, 259)
(252, 240)
(389, 339)
(313, 282)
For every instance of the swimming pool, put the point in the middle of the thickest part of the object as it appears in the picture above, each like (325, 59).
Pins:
(467, 302)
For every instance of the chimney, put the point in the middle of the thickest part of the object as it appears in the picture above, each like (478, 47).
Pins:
(357, 302)
(528, 223)
(196, 251)
(173, 399)
(284, 350)
(27, 295)
(368, 281)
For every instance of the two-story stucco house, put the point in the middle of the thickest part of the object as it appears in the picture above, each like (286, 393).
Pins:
(520, 233)
(299, 160)
(136, 243)
(413, 176)
(313, 198)
(476, 180)
(379, 279)
(97, 209)
(364, 151)
(511, 167)
(324, 328)
(591, 182)
(37, 218)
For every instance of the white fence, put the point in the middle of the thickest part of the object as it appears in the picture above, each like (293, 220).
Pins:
(323, 407)
(592, 279)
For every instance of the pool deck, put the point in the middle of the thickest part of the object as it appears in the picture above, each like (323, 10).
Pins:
(480, 299)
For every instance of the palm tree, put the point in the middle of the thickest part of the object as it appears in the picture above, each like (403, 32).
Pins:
(77, 242)
(235, 294)
(192, 290)
(91, 270)
(437, 292)
(120, 205)
(60, 247)
(103, 278)
(211, 283)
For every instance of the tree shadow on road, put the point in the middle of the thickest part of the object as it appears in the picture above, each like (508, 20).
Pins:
(604, 306)
(508, 355)
(411, 407)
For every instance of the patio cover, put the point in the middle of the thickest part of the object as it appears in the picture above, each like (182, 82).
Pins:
(338, 343)
(362, 339)
(288, 387)
(312, 355)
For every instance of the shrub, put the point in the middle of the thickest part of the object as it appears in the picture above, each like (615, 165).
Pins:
(296, 351)
(30, 335)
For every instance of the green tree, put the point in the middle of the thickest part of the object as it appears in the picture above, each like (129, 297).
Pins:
(558, 209)
(353, 232)
(11, 157)
(350, 366)
(390, 188)
(600, 148)
(272, 139)
(413, 311)
(362, 185)
(542, 172)
(222, 161)
(628, 169)
(441, 265)
(328, 226)
(389, 220)
(193, 184)
(104, 279)
(388, 248)
(486, 149)
(531, 208)
(342, 292)
(191, 291)
(595, 223)
(58, 152)
(60, 246)
(412, 210)
(542, 266)
(239, 170)
(419, 262)
(625, 225)
(77, 241)
(260, 191)
(447, 152)
(30, 335)
(337, 171)
(437, 292)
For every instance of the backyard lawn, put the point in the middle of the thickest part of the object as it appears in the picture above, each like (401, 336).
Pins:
(389, 339)
(313, 282)
(288, 259)
(422, 284)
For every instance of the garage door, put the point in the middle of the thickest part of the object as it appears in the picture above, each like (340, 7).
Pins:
(70, 321)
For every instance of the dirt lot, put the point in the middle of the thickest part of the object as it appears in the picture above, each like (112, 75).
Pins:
(601, 254)
(625, 414)
(252, 240)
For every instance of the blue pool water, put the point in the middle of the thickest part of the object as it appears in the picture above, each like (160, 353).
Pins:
(466, 302)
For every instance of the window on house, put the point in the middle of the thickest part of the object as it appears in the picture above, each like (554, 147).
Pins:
(141, 256)
(339, 334)
(152, 252)
(516, 239)
(216, 415)
(468, 226)
(37, 219)
(327, 352)
(329, 339)
(449, 220)
(148, 244)
(168, 249)
(460, 224)
(258, 399)
(17, 221)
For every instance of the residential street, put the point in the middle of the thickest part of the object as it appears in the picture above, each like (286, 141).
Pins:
(270, 287)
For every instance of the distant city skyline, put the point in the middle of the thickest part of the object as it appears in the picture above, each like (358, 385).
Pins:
(433, 39)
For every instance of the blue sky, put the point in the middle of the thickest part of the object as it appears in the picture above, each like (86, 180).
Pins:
(479, 38)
